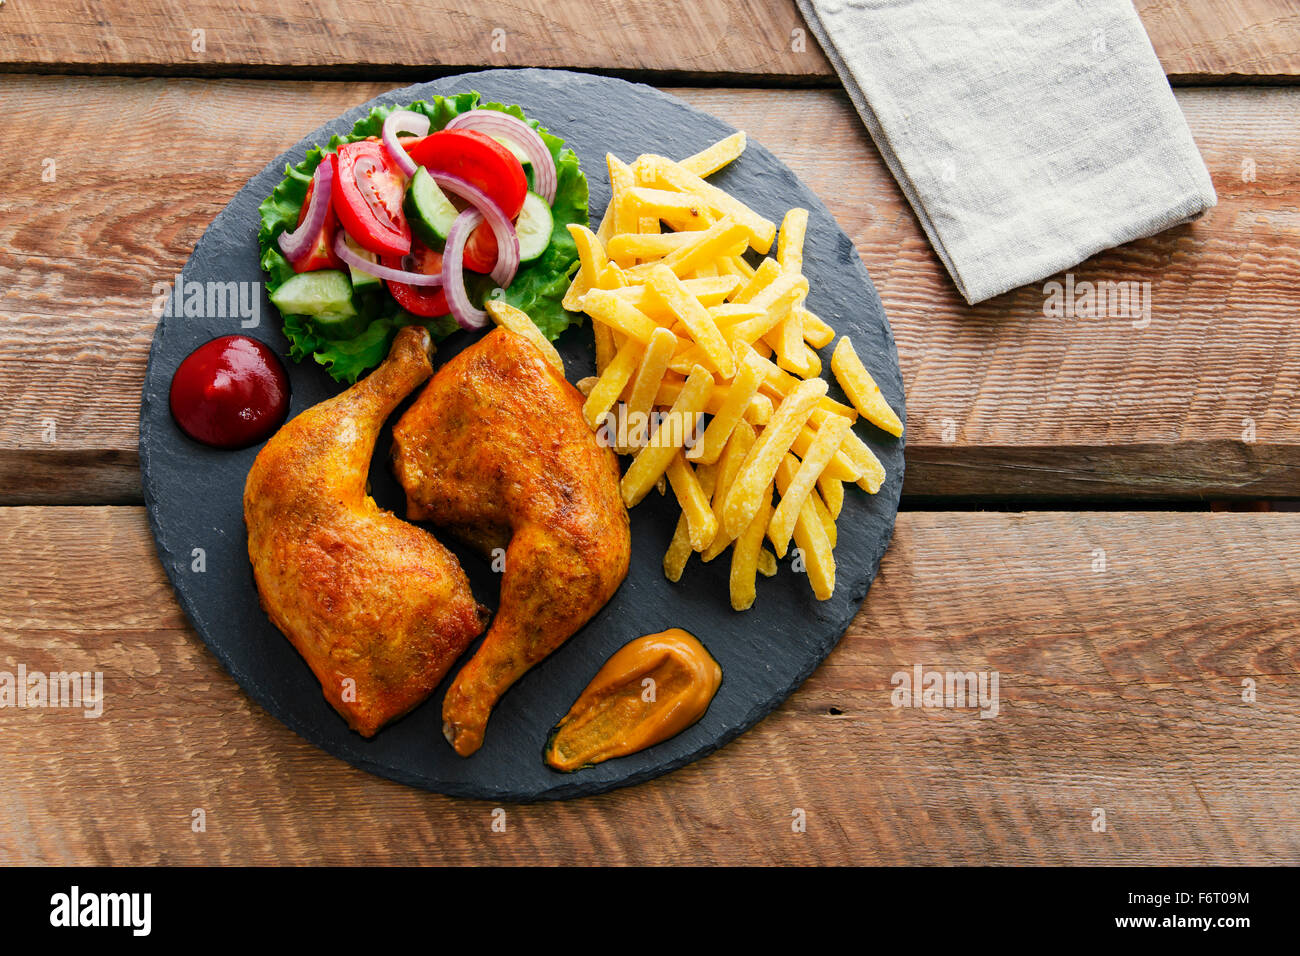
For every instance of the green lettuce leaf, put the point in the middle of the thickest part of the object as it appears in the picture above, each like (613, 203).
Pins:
(538, 286)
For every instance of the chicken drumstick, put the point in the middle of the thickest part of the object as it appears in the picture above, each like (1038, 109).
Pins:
(377, 607)
(496, 450)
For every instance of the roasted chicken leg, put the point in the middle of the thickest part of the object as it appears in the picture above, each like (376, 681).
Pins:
(496, 450)
(376, 606)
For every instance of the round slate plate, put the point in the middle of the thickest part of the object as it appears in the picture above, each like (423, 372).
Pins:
(194, 493)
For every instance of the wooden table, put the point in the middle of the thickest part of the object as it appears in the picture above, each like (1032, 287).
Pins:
(1034, 446)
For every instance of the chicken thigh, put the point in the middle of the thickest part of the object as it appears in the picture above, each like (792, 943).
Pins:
(496, 450)
(376, 606)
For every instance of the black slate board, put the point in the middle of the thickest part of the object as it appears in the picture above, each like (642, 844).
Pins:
(194, 494)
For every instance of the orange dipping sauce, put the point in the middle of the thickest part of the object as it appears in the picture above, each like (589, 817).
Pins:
(651, 689)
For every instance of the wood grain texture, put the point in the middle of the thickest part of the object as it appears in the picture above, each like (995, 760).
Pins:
(1210, 41)
(762, 40)
(1119, 689)
(411, 38)
(1002, 401)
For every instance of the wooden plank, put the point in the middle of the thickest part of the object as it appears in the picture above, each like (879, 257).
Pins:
(766, 40)
(1002, 401)
(411, 38)
(1210, 41)
(1119, 689)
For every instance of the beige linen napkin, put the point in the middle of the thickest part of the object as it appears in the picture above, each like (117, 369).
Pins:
(1026, 134)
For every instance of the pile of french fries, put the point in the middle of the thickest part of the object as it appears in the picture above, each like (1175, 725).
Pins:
(684, 324)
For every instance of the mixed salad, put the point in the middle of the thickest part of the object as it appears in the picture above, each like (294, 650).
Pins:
(420, 215)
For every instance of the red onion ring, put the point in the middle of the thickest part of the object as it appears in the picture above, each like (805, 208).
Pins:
(403, 121)
(297, 244)
(362, 264)
(496, 123)
(453, 268)
(507, 264)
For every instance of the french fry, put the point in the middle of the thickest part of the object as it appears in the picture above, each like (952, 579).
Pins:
(645, 385)
(776, 301)
(810, 538)
(779, 382)
(622, 181)
(606, 306)
(789, 244)
(643, 174)
(732, 410)
(695, 317)
(581, 285)
(761, 231)
(679, 551)
(745, 557)
(729, 313)
(824, 516)
(605, 347)
(708, 161)
(585, 385)
(797, 492)
(670, 205)
(764, 458)
(862, 389)
(705, 246)
(679, 548)
(766, 562)
(792, 354)
(517, 321)
(652, 460)
(592, 257)
(729, 465)
(758, 412)
(841, 467)
(817, 332)
(700, 523)
(627, 248)
(768, 271)
(865, 460)
(832, 491)
(609, 386)
(783, 288)
(712, 292)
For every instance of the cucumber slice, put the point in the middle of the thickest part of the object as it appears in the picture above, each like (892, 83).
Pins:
(534, 227)
(428, 209)
(361, 280)
(518, 153)
(326, 297)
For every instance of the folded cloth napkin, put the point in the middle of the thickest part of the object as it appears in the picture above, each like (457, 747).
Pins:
(1026, 134)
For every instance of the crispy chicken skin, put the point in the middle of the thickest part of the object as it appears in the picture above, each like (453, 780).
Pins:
(496, 450)
(376, 606)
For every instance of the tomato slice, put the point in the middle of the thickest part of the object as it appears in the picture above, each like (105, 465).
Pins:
(368, 191)
(477, 158)
(421, 300)
(322, 254)
(481, 249)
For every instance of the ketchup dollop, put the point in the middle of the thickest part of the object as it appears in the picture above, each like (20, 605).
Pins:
(231, 392)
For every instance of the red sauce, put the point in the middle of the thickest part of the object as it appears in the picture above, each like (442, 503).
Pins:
(231, 392)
